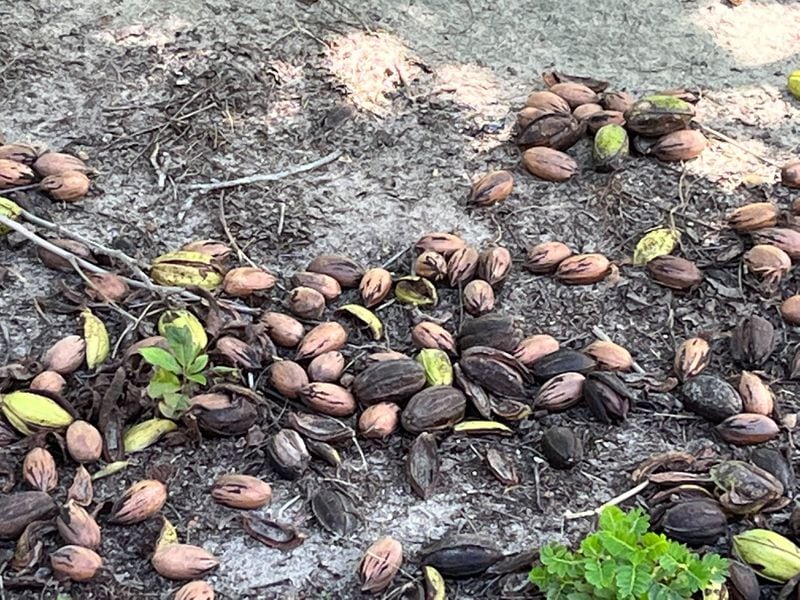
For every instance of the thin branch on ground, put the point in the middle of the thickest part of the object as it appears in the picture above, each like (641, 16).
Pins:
(22, 188)
(281, 217)
(234, 244)
(613, 502)
(134, 264)
(266, 177)
(131, 327)
(110, 303)
(735, 144)
(7, 341)
(601, 335)
(162, 176)
(304, 31)
(395, 258)
(91, 267)
(355, 15)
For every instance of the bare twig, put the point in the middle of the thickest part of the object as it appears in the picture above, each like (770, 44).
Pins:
(613, 502)
(146, 284)
(305, 31)
(110, 252)
(131, 327)
(7, 341)
(395, 258)
(187, 206)
(175, 118)
(113, 305)
(22, 188)
(234, 244)
(281, 217)
(282, 37)
(355, 15)
(266, 177)
(361, 454)
(536, 484)
(68, 256)
(735, 144)
(601, 335)
(162, 177)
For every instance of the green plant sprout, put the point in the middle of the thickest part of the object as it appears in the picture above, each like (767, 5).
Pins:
(178, 370)
(623, 560)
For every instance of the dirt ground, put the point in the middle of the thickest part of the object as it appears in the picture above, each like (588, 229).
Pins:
(419, 97)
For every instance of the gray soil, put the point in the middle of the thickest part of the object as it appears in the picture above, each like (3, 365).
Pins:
(161, 95)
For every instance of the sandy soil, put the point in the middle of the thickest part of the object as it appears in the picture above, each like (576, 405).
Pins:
(159, 96)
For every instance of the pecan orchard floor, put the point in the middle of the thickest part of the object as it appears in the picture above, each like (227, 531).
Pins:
(161, 96)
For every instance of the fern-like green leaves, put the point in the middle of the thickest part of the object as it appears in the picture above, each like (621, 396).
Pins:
(623, 560)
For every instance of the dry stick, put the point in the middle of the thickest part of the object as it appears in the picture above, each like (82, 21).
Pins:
(7, 340)
(110, 303)
(21, 188)
(68, 256)
(305, 31)
(281, 217)
(394, 258)
(147, 284)
(224, 221)
(735, 144)
(613, 502)
(600, 334)
(131, 327)
(355, 15)
(134, 264)
(266, 177)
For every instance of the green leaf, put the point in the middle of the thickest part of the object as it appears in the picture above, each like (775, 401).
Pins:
(163, 382)
(668, 565)
(181, 343)
(618, 543)
(633, 581)
(604, 594)
(679, 552)
(173, 405)
(622, 560)
(558, 560)
(220, 370)
(683, 583)
(591, 546)
(611, 518)
(167, 410)
(197, 378)
(199, 364)
(158, 357)
(717, 567)
(177, 400)
(661, 592)
(655, 545)
(600, 573)
(539, 577)
(699, 575)
(637, 521)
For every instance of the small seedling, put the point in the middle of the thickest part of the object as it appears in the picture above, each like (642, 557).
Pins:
(623, 560)
(178, 370)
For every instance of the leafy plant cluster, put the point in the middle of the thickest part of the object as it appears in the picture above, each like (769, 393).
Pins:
(177, 370)
(623, 560)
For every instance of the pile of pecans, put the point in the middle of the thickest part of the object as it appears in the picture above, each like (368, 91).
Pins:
(557, 118)
(61, 176)
(477, 380)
